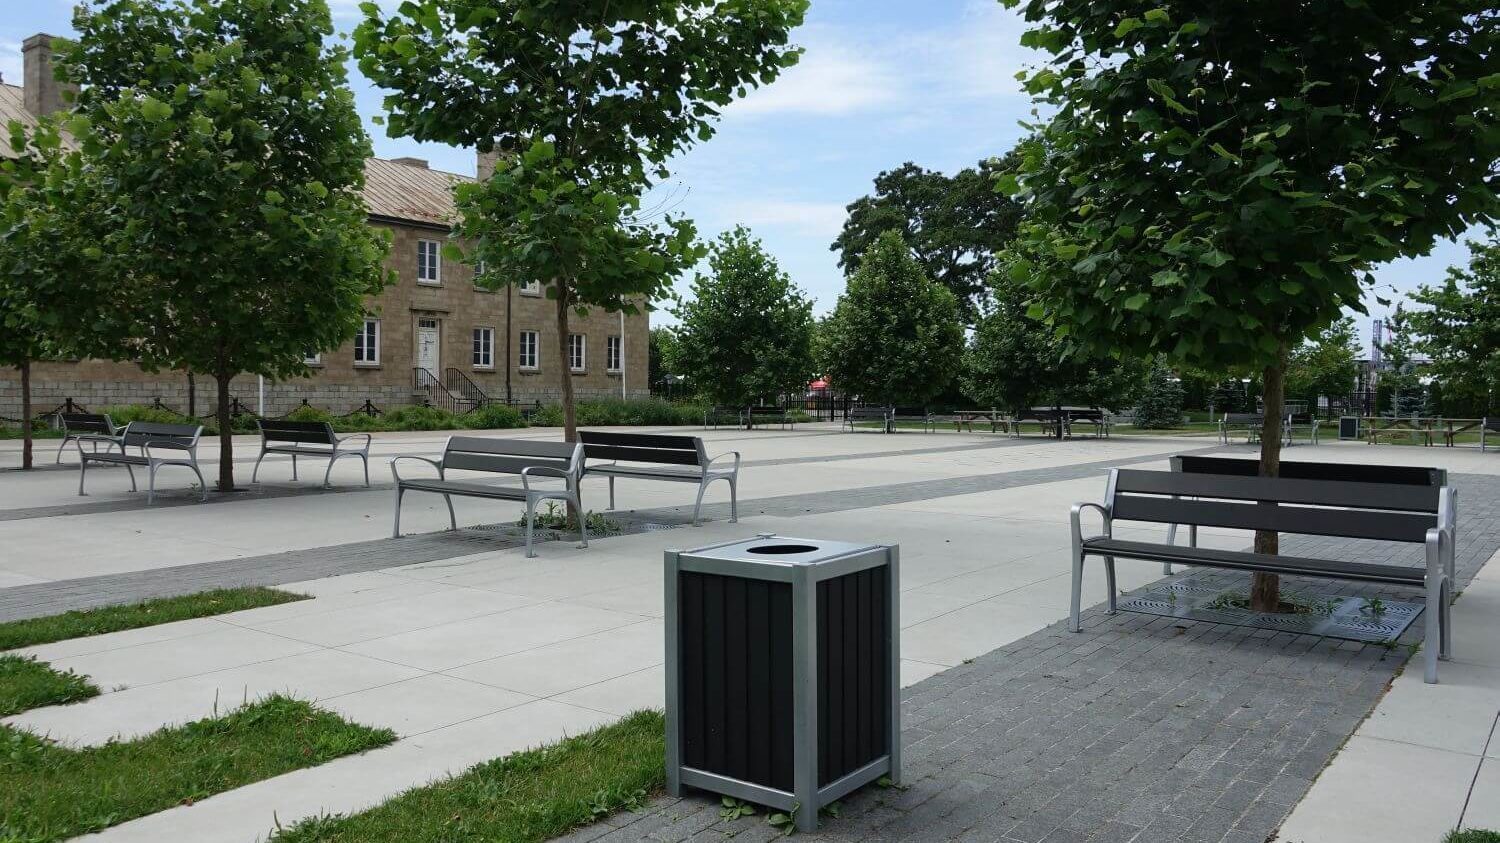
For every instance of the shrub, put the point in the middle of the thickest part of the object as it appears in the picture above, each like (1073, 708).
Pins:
(646, 412)
(419, 418)
(1160, 406)
(494, 417)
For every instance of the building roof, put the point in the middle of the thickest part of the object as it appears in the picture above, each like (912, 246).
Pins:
(393, 190)
(398, 191)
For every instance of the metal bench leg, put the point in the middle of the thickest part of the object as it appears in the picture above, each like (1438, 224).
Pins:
(1166, 567)
(329, 473)
(1432, 644)
(530, 517)
(452, 519)
(202, 484)
(1109, 577)
(611, 494)
(61, 447)
(583, 521)
(83, 468)
(151, 489)
(131, 472)
(734, 501)
(1446, 653)
(258, 459)
(365, 458)
(294, 468)
(1077, 604)
(702, 487)
(396, 530)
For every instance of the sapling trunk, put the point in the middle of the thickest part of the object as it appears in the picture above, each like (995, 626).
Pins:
(26, 437)
(226, 435)
(565, 371)
(1265, 589)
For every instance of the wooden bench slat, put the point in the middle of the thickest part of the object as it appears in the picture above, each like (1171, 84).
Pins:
(1383, 496)
(1343, 472)
(648, 440)
(1312, 521)
(1242, 560)
(633, 454)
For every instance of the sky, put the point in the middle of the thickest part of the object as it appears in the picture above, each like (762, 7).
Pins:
(882, 82)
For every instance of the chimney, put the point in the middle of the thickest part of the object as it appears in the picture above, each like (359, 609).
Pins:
(486, 164)
(43, 93)
(411, 162)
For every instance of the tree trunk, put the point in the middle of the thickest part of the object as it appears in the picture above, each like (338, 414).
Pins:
(1265, 589)
(192, 396)
(26, 443)
(565, 370)
(226, 435)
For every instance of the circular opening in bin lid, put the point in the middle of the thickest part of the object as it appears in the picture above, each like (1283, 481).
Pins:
(783, 549)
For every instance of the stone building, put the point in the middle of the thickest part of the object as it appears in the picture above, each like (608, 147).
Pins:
(432, 337)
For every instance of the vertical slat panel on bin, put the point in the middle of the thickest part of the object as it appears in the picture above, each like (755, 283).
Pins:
(694, 714)
(758, 669)
(782, 756)
(713, 671)
(853, 663)
(736, 693)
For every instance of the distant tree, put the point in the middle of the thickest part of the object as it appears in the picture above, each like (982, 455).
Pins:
(1215, 180)
(24, 262)
(662, 355)
(954, 225)
(587, 101)
(1009, 359)
(895, 336)
(1400, 381)
(1457, 328)
(1160, 403)
(220, 201)
(746, 333)
(1326, 366)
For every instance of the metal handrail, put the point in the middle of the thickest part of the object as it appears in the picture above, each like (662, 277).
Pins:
(427, 383)
(467, 390)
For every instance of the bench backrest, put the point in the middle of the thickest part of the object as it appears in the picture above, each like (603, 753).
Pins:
(643, 447)
(868, 412)
(510, 456)
(1385, 511)
(1244, 418)
(88, 423)
(281, 430)
(766, 411)
(139, 433)
(1408, 475)
(919, 412)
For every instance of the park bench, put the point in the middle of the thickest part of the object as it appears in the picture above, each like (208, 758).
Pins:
(1045, 417)
(1250, 423)
(858, 415)
(1415, 514)
(1487, 426)
(1100, 420)
(719, 414)
(767, 414)
(99, 427)
(921, 415)
(645, 456)
(309, 439)
(523, 460)
(151, 439)
(1405, 475)
(1304, 423)
(966, 418)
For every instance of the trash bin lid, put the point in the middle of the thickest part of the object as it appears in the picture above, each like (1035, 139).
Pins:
(785, 550)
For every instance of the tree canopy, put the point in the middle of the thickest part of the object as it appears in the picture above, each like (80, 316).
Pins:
(1456, 326)
(954, 225)
(584, 103)
(1326, 366)
(220, 200)
(1216, 179)
(746, 334)
(894, 337)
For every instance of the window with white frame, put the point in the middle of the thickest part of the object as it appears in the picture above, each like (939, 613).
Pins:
(429, 262)
(312, 358)
(531, 288)
(367, 344)
(527, 357)
(612, 356)
(484, 348)
(577, 352)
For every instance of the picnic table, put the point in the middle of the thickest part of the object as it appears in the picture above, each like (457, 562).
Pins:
(1407, 426)
(966, 418)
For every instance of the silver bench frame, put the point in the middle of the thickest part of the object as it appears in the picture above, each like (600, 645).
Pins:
(522, 458)
(705, 475)
(1439, 580)
(335, 449)
(99, 427)
(146, 436)
(855, 415)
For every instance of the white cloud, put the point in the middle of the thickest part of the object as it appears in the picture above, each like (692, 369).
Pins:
(831, 80)
(10, 61)
(822, 220)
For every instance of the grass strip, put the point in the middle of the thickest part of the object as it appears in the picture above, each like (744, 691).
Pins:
(77, 624)
(1472, 835)
(26, 683)
(528, 796)
(51, 792)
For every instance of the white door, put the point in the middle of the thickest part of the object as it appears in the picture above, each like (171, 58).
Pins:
(427, 345)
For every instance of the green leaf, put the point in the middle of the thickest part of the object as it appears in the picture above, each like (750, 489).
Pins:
(154, 110)
(1137, 301)
(1127, 26)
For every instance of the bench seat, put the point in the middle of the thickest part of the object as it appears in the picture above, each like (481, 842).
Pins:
(466, 488)
(690, 474)
(126, 459)
(1404, 575)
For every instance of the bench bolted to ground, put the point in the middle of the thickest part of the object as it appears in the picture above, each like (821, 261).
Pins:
(152, 439)
(99, 427)
(1413, 514)
(645, 456)
(783, 670)
(309, 439)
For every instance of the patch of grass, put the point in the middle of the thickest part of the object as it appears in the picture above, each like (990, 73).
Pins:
(529, 796)
(553, 516)
(50, 792)
(1472, 835)
(26, 683)
(77, 624)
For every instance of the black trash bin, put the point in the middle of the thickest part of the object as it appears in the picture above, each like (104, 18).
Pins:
(783, 670)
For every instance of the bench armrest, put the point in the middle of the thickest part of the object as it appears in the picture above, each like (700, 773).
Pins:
(532, 470)
(437, 464)
(1075, 517)
(735, 454)
(338, 441)
(170, 445)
